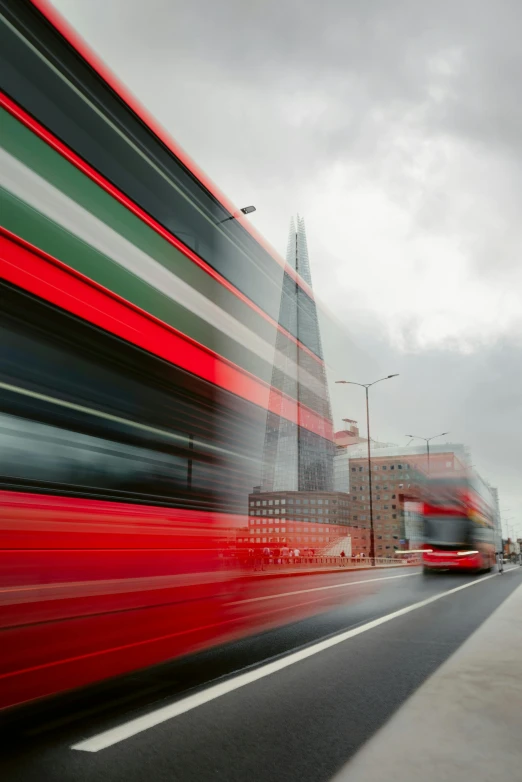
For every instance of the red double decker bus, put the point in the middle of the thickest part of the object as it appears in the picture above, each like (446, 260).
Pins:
(138, 318)
(459, 524)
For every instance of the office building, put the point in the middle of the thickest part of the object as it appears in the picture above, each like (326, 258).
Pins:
(296, 458)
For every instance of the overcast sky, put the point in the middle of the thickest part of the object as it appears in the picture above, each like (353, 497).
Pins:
(395, 128)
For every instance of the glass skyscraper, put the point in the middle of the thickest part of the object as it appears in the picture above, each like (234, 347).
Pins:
(294, 458)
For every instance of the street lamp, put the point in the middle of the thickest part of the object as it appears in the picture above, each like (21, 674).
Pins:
(366, 386)
(246, 210)
(510, 529)
(427, 440)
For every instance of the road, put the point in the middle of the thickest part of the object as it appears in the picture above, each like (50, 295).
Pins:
(291, 704)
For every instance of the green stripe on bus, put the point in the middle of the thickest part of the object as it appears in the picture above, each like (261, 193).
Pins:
(26, 222)
(22, 143)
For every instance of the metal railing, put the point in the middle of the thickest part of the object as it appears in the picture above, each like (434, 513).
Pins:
(278, 563)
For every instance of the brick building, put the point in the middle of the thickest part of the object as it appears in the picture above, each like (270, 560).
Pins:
(301, 520)
(397, 477)
(389, 474)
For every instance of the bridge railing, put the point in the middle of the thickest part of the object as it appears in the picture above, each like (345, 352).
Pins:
(274, 564)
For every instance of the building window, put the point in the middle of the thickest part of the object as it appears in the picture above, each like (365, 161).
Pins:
(384, 467)
(394, 515)
(399, 466)
(283, 502)
(264, 502)
(392, 467)
(258, 504)
(276, 502)
(393, 496)
(353, 469)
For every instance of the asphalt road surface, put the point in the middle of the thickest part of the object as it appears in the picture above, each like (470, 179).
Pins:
(290, 704)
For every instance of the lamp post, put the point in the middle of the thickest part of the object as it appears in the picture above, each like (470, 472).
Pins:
(366, 386)
(427, 440)
(510, 535)
(509, 532)
(246, 210)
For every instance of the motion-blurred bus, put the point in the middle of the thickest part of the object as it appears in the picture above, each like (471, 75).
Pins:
(138, 320)
(459, 524)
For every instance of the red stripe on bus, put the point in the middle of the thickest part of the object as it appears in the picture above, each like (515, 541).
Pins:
(41, 274)
(42, 132)
(96, 63)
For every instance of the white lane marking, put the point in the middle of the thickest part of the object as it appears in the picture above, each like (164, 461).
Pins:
(113, 736)
(319, 589)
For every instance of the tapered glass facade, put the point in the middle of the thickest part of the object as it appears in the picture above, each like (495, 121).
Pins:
(298, 457)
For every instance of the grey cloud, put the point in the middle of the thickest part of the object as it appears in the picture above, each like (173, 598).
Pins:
(369, 66)
(267, 94)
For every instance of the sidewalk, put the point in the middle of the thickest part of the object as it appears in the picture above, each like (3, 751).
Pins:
(464, 724)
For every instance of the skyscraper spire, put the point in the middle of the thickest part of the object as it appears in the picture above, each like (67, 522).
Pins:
(295, 459)
(297, 250)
